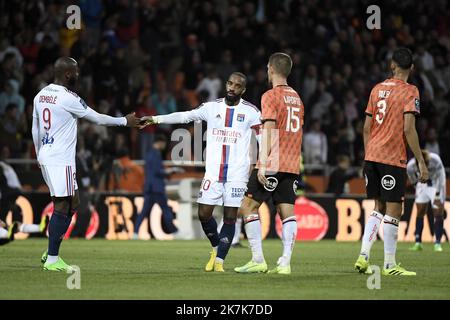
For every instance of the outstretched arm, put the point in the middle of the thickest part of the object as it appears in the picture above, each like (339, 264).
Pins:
(80, 109)
(178, 117)
(105, 120)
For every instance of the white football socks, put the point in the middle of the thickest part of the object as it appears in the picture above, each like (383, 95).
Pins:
(29, 228)
(390, 233)
(289, 234)
(253, 231)
(370, 232)
(3, 233)
(237, 231)
(51, 259)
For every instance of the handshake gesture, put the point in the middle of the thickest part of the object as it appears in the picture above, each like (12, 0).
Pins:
(135, 122)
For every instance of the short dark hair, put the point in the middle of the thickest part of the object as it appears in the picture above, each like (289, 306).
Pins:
(281, 63)
(240, 74)
(403, 57)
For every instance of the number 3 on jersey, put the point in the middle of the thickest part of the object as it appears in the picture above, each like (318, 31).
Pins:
(381, 111)
(293, 119)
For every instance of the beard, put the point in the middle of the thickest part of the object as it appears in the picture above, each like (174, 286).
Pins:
(232, 98)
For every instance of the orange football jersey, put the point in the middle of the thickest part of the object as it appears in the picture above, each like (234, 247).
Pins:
(283, 105)
(388, 102)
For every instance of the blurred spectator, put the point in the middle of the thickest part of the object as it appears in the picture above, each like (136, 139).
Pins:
(309, 84)
(213, 43)
(337, 182)
(12, 130)
(432, 144)
(193, 62)
(136, 59)
(425, 58)
(48, 53)
(11, 95)
(315, 147)
(9, 69)
(6, 47)
(126, 175)
(320, 102)
(351, 106)
(339, 134)
(91, 11)
(211, 83)
(155, 187)
(226, 66)
(257, 87)
(164, 103)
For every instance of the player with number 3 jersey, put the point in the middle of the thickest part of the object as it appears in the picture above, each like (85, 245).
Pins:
(389, 126)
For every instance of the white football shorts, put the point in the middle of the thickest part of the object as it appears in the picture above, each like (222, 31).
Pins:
(229, 194)
(425, 193)
(61, 180)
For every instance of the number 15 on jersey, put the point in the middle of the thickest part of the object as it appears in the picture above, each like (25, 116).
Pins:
(293, 119)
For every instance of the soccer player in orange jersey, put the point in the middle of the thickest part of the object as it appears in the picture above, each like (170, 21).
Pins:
(278, 167)
(389, 126)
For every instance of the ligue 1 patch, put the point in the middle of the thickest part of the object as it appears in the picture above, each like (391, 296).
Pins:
(240, 117)
(83, 103)
(417, 104)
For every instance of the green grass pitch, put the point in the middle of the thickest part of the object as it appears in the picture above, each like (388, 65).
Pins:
(174, 270)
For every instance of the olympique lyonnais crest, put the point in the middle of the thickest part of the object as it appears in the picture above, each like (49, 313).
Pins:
(240, 117)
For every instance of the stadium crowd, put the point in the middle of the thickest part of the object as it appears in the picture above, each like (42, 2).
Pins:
(157, 57)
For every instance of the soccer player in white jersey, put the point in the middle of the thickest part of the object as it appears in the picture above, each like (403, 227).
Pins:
(432, 192)
(56, 110)
(231, 122)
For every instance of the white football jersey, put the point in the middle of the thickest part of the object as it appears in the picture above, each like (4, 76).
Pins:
(56, 110)
(229, 136)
